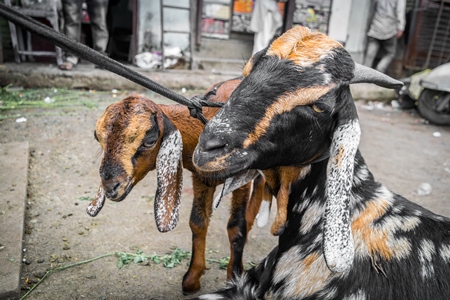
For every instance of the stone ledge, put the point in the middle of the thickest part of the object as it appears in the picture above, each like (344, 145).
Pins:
(13, 191)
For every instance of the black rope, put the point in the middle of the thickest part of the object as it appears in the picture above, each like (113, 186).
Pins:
(200, 101)
(197, 107)
(99, 59)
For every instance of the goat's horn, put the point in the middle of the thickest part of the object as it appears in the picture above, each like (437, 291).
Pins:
(363, 74)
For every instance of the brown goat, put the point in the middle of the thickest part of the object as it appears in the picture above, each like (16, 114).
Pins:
(138, 136)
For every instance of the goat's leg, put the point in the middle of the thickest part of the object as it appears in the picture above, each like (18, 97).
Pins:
(237, 230)
(282, 202)
(258, 195)
(199, 221)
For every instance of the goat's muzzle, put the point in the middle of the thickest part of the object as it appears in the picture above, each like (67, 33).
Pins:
(208, 152)
(117, 189)
(215, 159)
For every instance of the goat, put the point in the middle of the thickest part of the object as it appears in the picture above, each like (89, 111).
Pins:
(137, 136)
(346, 235)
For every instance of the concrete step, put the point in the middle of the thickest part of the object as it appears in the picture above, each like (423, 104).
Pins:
(86, 76)
(13, 193)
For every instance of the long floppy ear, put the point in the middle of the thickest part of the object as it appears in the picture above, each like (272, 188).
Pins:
(96, 205)
(338, 240)
(253, 60)
(169, 169)
(339, 249)
(363, 74)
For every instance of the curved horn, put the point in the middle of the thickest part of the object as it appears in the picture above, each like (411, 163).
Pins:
(363, 74)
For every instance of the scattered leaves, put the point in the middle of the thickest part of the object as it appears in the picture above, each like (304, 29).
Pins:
(223, 262)
(86, 198)
(169, 260)
(14, 98)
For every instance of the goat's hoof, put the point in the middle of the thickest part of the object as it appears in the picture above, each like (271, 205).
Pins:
(188, 290)
(190, 286)
(278, 231)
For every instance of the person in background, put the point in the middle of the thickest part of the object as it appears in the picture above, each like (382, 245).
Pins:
(265, 22)
(97, 10)
(386, 26)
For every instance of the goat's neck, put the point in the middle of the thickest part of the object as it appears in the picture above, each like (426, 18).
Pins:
(308, 198)
(189, 127)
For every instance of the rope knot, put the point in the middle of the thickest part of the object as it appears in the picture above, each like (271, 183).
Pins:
(197, 102)
(196, 109)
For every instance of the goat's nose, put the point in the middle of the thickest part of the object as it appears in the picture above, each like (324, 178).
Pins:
(214, 144)
(110, 169)
(105, 175)
(208, 150)
(111, 188)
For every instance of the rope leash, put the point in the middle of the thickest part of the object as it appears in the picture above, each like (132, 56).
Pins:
(195, 104)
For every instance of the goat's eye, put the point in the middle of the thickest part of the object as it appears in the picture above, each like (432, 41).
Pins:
(151, 136)
(316, 108)
(147, 144)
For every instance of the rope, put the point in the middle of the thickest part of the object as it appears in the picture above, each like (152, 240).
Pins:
(200, 101)
(59, 39)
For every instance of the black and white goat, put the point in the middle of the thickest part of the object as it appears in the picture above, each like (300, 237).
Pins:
(347, 236)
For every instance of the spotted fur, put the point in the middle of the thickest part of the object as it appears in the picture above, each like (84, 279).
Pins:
(170, 182)
(338, 241)
(346, 235)
(96, 205)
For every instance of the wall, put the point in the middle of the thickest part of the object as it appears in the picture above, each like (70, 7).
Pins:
(223, 55)
(149, 25)
(348, 25)
(358, 20)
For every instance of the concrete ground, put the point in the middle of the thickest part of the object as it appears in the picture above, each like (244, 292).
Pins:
(49, 165)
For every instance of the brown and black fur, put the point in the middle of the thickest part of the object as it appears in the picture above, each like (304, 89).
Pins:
(131, 132)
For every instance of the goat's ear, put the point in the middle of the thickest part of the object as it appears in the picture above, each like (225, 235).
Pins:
(96, 205)
(363, 74)
(253, 60)
(338, 240)
(169, 169)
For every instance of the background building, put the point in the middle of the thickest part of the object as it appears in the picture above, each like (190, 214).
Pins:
(215, 35)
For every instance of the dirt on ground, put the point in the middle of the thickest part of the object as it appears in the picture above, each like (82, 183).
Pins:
(400, 149)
